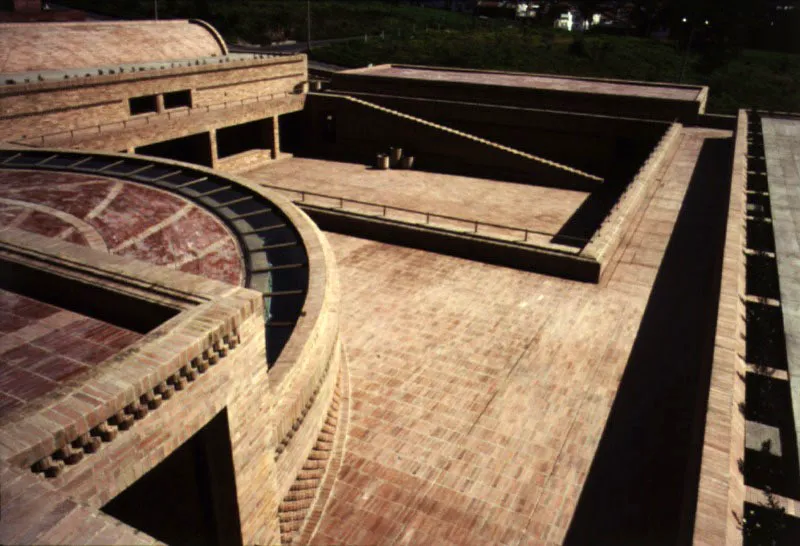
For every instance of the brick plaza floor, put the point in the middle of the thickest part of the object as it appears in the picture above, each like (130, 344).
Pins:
(479, 393)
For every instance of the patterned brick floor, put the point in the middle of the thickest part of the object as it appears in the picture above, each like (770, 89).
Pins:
(122, 218)
(42, 346)
(480, 393)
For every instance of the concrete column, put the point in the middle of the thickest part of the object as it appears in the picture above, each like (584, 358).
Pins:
(160, 103)
(212, 137)
(276, 138)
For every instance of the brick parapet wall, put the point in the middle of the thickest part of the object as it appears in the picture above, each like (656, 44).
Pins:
(60, 519)
(607, 238)
(307, 369)
(173, 124)
(226, 332)
(721, 495)
(124, 378)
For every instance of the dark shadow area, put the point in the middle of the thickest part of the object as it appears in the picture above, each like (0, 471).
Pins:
(254, 135)
(765, 526)
(760, 236)
(190, 497)
(769, 402)
(762, 276)
(766, 340)
(293, 128)
(192, 149)
(642, 485)
(757, 182)
(758, 206)
(629, 154)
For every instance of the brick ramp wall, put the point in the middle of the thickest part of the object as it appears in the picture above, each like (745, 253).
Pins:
(364, 129)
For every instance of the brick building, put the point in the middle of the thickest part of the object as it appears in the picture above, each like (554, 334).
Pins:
(546, 302)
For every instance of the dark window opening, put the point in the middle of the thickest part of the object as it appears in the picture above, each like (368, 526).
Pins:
(255, 135)
(190, 497)
(143, 105)
(293, 131)
(177, 99)
(192, 149)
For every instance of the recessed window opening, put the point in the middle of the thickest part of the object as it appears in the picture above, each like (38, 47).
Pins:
(143, 105)
(178, 99)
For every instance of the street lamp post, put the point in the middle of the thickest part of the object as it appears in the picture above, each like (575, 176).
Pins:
(308, 29)
(155, 8)
(688, 48)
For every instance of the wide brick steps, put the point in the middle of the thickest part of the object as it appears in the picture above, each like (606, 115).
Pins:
(302, 495)
(474, 138)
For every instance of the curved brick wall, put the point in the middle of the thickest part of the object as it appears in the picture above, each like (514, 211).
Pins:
(60, 46)
(293, 415)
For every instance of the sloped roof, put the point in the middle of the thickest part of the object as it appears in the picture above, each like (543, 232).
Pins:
(28, 47)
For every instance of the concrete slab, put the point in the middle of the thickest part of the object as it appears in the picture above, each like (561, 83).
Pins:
(782, 151)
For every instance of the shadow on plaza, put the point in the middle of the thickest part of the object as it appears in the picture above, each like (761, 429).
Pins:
(642, 485)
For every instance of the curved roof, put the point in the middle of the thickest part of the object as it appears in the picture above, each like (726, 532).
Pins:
(56, 46)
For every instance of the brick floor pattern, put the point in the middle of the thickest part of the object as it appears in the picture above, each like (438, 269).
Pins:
(122, 218)
(480, 393)
(42, 346)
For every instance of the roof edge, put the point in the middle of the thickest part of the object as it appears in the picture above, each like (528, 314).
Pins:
(213, 31)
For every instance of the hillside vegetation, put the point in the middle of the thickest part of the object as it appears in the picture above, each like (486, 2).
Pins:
(408, 34)
(750, 79)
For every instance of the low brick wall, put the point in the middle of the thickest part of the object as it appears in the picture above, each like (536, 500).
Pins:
(608, 236)
(721, 495)
(244, 161)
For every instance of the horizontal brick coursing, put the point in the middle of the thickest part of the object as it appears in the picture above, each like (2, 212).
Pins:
(38, 109)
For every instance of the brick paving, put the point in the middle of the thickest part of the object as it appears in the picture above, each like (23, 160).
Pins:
(539, 82)
(122, 218)
(504, 203)
(480, 393)
(42, 346)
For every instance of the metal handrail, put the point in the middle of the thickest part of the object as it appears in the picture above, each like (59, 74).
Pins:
(428, 215)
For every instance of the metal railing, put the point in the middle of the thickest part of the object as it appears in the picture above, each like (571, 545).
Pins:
(517, 234)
